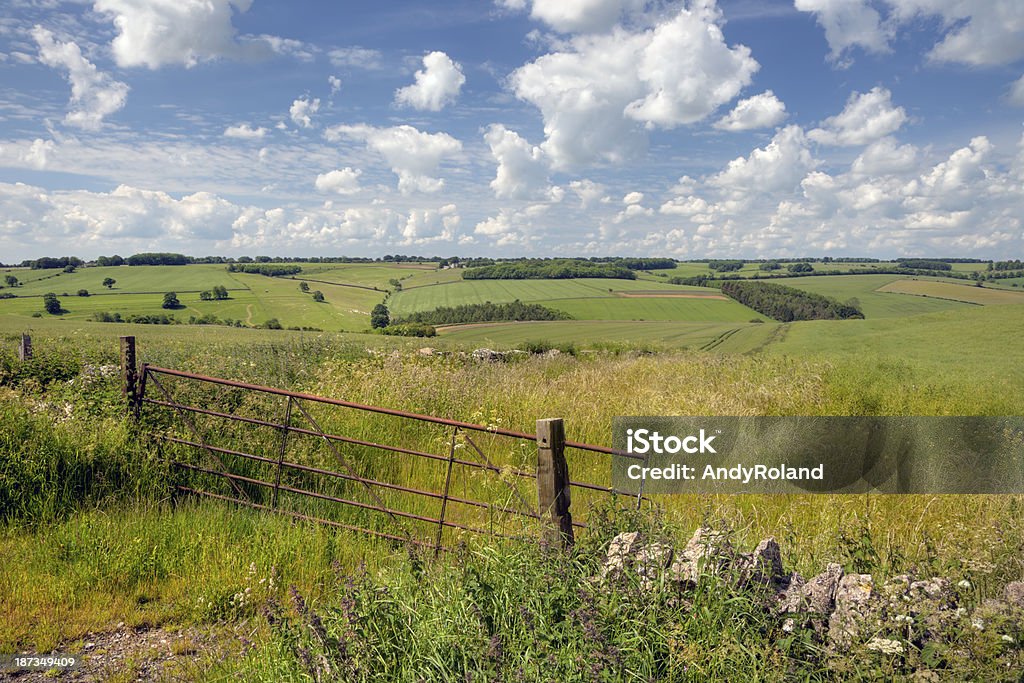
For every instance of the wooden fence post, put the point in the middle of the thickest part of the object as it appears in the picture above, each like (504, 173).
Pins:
(25, 349)
(129, 374)
(553, 483)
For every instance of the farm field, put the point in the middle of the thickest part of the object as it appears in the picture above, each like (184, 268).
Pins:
(965, 292)
(865, 289)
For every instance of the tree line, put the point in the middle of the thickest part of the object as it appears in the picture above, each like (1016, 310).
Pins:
(561, 269)
(787, 304)
(486, 312)
(268, 269)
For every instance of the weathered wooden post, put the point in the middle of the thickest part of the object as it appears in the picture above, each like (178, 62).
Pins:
(25, 348)
(129, 374)
(553, 483)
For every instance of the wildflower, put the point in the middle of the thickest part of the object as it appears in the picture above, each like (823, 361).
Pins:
(885, 646)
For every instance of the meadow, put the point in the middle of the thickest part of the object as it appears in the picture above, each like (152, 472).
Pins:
(88, 511)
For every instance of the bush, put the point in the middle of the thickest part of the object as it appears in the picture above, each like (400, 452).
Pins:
(83, 292)
(52, 304)
(408, 330)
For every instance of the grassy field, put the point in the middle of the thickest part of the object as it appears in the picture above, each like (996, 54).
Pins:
(966, 292)
(85, 499)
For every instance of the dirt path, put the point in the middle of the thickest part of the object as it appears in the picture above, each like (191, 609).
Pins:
(141, 654)
(248, 314)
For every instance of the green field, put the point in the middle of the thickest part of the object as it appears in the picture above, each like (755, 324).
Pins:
(864, 288)
(966, 292)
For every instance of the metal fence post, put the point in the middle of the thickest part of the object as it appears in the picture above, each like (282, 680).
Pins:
(129, 374)
(553, 483)
(25, 348)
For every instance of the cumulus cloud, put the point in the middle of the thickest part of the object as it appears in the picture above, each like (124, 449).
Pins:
(776, 167)
(884, 157)
(125, 213)
(589, 192)
(979, 33)
(302, 111)
(413, 155)
(866, 118)
(343, 181)
(437, 84)
(848, 23)
(599, 91)
(155, 33)
(760, 111)
(94, 94)
(579, 16)
(424, 226)
(244, 131)
(522, 169)
(37, 154)
(335, 84)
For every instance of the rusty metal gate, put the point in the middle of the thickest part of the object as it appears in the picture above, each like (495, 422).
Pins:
(327, 460)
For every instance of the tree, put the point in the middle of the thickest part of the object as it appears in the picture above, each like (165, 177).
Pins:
(318, 296)
(800, 268)
(379, 316)
(171, 300)
(70, 268)
(109, 282)
(83, 292)
(52, 304)
(11, 281)
(205, 295)
(303, 286)
(220, 292)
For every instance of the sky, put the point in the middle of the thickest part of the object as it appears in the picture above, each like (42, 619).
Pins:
(688, 128)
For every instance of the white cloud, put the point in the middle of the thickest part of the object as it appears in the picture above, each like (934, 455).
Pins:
(244, 131)
(760, 111)
(589, 192)
(302, 111)
(980, 33)
(848, 23)
(884, 157)
(155, 33)
(579, 16)
(38, 152)
(126, 213)
(335, 84)
(94, 93)
(413, 155)
(522, 169)
(343, 181)
(777, 167)
(355, 57)
(437, 84)
(633, 198)
(594, 92)
(866, 118)
(424, 226)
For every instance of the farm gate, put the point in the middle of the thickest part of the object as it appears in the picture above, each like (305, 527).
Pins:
(353, 466)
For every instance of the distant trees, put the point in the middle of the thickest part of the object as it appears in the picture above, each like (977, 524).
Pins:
(70, 268)
(83, 292)
(379, 316)
(109, 282)
(800, 268)
(220, 292)
(52, 304)
(787, 304)
(396, 284)
(770, 265)
(555, 269)
(268, 269)
(318, 296)
(205, 295)
(725, 266)
(49, 262)
(487, 312)
(303, 286)
(924, 264)
(11, 281)
(171, 301)
(114, 260)
(158, 259)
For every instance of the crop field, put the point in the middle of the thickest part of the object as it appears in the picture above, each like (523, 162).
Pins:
(864, 288)
(965, 292)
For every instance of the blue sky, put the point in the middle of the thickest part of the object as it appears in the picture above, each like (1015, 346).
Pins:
(512, 127)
